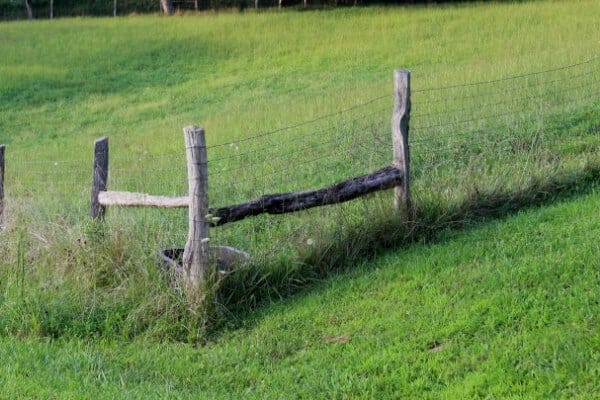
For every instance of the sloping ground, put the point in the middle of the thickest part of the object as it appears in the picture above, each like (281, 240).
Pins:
(507, 309)
(249, 79)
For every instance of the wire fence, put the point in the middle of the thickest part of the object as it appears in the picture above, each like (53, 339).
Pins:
(507, 129)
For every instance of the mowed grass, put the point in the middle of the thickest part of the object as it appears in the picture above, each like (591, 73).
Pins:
(478, 150)
(418, 309)
(141, 79)
(508, 309)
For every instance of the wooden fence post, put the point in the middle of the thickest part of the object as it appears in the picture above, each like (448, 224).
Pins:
(2, 148)
(100, 177)
(196, 251)
(400, 121)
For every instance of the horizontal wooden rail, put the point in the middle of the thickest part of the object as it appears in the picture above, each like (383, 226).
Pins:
(385, 178)
(130, 199)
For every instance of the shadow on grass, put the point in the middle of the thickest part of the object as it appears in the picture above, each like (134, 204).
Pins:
(249, 288)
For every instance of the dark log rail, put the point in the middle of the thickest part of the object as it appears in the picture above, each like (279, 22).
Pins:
(281, 203)
(382, 179)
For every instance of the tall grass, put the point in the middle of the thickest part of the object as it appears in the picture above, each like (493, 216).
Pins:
(269, 89)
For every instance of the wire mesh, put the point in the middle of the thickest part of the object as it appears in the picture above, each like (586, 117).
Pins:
(505, 129)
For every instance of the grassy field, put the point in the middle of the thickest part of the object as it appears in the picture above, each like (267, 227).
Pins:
(508, 309)
(505, 116)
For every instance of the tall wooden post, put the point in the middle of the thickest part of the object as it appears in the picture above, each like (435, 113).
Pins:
(100, 177)
(196, 251)
(29, 7)
(400, 121)
(2, 148)
(166, 7)
(114, 8)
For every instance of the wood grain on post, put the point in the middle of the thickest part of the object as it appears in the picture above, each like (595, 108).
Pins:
(100, 177)
(400, 121)
(196, 251)
(2, 148)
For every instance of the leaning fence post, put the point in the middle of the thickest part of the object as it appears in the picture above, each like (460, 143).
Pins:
(100, 177)
(400, 121)
(2, 148)
(195, 255)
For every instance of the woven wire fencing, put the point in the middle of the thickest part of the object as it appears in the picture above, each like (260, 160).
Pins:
(475, 135)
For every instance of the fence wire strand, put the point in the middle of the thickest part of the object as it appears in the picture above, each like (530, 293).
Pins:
(519, 117)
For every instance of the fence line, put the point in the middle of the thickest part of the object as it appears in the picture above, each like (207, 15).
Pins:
(2, 149)
(308, 142)
(58, 163)
(201, 217)
(365, 103)
(508, 78)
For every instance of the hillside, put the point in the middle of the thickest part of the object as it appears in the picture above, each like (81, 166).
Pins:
(486, 285)
(507, 309)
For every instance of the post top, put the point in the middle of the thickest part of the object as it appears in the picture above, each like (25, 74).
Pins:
(194, 128)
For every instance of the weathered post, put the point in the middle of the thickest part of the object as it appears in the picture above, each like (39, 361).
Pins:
(2, 148)
(114, 8)
(100, 177)
(400, 121)
(196, 251)
(29, 6)
(166, 7)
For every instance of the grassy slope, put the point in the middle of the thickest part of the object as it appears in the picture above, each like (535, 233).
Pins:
(65, 82)
(493, 301)
(508, 309)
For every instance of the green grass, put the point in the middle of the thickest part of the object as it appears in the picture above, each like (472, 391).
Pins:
(68, 81)
(460, 299)
(477, 150)
(508, 309)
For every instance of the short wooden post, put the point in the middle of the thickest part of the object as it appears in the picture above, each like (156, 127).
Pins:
(196, 251)
(100, 177)
(400, 121)
(2, 148)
